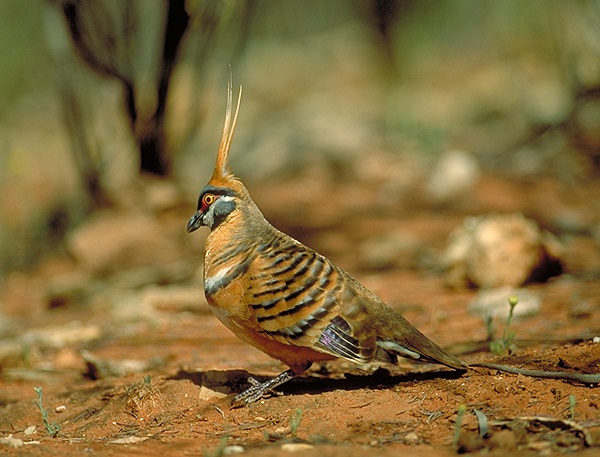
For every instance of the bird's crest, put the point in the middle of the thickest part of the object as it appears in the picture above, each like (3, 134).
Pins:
(222, 174)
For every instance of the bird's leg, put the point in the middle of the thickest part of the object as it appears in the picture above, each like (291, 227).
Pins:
(258, 389)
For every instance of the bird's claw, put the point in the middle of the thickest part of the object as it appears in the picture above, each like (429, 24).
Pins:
(257, 389)
(252, 394)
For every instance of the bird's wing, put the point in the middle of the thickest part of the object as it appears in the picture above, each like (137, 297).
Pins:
(298, 297)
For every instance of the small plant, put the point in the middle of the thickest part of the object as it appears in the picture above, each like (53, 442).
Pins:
(506, 345)
(572, 403)
(462, 409)
(295, 422)
(52, 428)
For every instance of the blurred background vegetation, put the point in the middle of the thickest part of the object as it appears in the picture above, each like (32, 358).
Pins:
(98, 94)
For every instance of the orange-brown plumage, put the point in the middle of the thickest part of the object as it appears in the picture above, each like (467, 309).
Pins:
(286, 299)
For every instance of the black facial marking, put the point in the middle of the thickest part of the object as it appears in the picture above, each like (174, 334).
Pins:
(222, 210)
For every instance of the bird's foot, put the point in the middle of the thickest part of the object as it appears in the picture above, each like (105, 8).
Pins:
(258, 389)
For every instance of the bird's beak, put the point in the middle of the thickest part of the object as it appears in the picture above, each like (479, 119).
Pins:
(195, 222)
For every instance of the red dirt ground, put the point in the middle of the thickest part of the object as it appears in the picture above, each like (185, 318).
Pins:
(173, 406)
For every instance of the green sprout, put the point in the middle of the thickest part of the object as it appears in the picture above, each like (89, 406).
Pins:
(295, 422)
(462, 409)
(572, 402)
(506, 345)
(52, 428)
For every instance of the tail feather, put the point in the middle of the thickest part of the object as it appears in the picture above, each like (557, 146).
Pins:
(401, 338)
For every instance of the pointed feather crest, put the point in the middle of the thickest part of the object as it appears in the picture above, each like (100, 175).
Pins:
(222, 171)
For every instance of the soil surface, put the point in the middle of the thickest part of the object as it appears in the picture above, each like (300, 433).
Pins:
(130, 361)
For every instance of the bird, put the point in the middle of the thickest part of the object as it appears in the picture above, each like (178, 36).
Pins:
(285, 298)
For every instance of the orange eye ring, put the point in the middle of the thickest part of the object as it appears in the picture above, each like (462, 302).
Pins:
(208, 199)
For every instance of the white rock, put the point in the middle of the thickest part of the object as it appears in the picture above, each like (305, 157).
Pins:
(453, 175)
(129, 440)
(296, 447)
(233, 449)
(411, 438)
(12, 442)
(210, 394)
(497, 250)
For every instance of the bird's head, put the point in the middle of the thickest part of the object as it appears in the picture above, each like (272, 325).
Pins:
(224, 192)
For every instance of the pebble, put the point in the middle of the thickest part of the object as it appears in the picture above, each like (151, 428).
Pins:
(207, 394)
(411, 438)
(296, 447)
(12, 442)
(129, 440)
(233, 449)
(453, 175)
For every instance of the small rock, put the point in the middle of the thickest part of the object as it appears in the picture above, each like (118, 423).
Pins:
(30, 430)
(411, 438)
(282, 430)
(12, 442)
(494, 302)
(60, 409)
(500, 250)
(233, 449)
(129, 440)
(207, 394)
(296, 447)
(453, 175)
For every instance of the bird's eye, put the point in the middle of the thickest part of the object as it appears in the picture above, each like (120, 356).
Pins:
(208, 199)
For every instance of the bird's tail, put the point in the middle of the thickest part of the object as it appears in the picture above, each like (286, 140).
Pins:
(400, 338)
